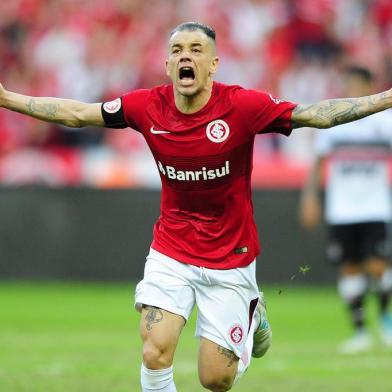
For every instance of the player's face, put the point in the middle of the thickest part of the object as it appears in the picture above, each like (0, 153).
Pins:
(192, 61)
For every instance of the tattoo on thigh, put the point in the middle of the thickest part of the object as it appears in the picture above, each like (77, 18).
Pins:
(154, 315)
(232, 358)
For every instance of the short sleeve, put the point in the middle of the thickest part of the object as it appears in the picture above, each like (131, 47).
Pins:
(263, 113)
(126, 111)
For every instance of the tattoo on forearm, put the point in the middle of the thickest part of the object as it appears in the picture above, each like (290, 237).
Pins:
(47, 109)
(154, 315)
(333, 112)
(232, 358)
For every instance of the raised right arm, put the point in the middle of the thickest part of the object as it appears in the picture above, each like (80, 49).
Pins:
(67, 112)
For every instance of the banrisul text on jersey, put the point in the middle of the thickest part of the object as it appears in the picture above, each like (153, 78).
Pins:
(205, 174)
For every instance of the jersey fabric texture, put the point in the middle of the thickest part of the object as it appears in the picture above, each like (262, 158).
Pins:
(205, 164)
(357, 188)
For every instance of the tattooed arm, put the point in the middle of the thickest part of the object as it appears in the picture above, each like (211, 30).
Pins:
(62, 111)
(331, 112)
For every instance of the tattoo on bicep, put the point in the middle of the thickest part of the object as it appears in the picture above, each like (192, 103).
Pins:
(232, 358)
(154, 315)
(48, 109)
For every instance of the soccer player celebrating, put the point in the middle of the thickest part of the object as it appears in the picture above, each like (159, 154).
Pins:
(358, 209)
(201, 135)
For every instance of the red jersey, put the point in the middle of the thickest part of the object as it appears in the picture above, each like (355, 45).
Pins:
(205, 163)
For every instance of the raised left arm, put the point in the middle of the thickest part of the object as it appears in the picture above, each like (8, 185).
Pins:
(331, 112)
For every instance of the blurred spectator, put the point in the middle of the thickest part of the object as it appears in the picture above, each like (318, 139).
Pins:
(94, 50)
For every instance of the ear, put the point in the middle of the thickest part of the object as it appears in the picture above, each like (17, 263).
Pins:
(167, 67)
(214, 65)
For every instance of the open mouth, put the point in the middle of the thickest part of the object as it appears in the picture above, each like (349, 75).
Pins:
(187, 74)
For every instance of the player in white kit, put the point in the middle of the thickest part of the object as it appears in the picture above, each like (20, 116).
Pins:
(357, 209)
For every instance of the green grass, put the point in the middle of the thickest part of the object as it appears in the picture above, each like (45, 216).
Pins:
(71, 337)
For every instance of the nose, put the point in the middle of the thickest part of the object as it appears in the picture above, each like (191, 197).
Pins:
(185, 59)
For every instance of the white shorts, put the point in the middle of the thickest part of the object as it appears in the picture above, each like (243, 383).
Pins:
(226, 299)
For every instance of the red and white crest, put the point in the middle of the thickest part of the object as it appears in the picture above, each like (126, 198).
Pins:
(276, 100)
(218, 131)
(236, 333)
(112, 106)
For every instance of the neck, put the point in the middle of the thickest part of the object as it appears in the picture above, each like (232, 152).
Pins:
(192, 104)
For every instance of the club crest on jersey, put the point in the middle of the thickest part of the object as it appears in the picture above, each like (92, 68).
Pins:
(112, 106)
(236, 333)
(218, 131)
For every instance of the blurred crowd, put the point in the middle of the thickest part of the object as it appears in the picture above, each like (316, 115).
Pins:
(95, 50)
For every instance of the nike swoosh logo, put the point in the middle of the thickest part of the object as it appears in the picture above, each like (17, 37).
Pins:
(157, 131)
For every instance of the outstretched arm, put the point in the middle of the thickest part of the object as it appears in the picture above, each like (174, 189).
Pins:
(331, 112)
(61, 111)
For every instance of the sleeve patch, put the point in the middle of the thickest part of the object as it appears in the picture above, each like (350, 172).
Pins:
(112, 106)
(276, 100)
(113, 114)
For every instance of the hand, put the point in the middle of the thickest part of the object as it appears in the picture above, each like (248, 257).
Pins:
(309, 211)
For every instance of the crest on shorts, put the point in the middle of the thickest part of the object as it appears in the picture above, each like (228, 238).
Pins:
(218, 131)
(236, 333)
(112, 106)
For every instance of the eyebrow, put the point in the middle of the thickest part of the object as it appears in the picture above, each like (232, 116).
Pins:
(192, 44)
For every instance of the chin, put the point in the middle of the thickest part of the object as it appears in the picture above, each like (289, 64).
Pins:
(188, 91)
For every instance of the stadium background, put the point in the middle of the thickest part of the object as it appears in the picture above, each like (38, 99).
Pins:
(79, 205)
